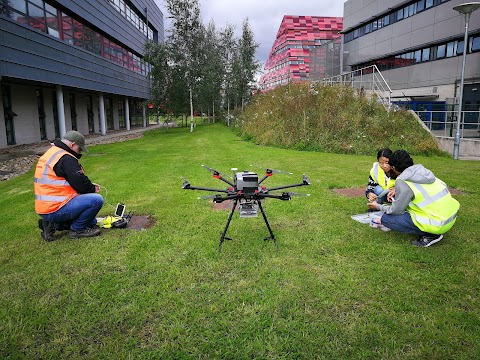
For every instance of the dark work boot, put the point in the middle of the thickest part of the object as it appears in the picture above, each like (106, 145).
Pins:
(48, 229)
(87, 232)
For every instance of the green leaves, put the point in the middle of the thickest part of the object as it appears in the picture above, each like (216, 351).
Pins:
(212, 66)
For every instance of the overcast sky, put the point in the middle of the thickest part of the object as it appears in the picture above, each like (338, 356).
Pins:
(264, 16)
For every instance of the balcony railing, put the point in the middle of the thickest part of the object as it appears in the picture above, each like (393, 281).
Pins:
(368, 80)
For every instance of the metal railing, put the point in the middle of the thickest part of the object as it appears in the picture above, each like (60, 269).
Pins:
(368, 81)
(444, 123)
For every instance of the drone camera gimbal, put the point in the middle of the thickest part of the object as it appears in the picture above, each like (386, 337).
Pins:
(246, 192)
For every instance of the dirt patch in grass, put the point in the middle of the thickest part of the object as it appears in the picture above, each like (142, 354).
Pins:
(226, 205)
(141, 222)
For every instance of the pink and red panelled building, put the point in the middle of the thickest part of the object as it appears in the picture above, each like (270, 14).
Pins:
(290, 56)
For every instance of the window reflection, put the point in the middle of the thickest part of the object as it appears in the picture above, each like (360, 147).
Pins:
(440, 51)
(404, 12)
(43, 17)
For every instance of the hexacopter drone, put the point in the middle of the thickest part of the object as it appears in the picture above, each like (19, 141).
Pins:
(247, 192)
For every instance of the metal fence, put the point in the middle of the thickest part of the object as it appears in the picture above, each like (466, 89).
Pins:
(444, 123)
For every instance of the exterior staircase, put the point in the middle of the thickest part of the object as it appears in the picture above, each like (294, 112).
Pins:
(368, 81)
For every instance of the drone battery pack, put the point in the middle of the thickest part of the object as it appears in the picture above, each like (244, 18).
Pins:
(247, 182)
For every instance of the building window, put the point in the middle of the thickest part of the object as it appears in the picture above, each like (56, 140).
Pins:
(441, 51)
(400, 14)
(43, 17)
(397, 14)
(460, 47)
(451, 49)
(426, 54)
(386, 20)
(420, 5)
(418, 56)
(475, 44)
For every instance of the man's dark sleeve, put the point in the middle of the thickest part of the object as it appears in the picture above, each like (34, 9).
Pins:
(69, 168)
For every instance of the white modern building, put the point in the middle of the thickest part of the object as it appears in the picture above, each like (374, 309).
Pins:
(418, 47)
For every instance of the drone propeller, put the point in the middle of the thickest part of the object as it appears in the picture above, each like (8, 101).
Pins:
(305, 180)
(186, 184)
(273, 171)
(296, 194)
(207, 197)
(215, 172)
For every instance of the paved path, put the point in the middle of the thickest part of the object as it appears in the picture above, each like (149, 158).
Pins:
(108, 136)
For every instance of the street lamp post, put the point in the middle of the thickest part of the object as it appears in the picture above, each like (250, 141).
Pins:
(465, 9)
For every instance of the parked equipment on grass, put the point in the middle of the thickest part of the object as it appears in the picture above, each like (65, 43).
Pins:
(246, 192)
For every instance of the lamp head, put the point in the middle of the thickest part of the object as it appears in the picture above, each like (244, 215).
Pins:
(467, 8)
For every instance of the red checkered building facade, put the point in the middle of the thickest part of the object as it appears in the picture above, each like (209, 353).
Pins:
(289, 58)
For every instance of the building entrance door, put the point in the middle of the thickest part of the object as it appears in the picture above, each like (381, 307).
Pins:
(471, 106)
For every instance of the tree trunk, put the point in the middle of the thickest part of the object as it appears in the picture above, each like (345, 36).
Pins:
(191, 110)
(213, 111)
(228, 111)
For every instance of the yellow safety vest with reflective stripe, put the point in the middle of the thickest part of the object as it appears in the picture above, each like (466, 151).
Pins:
(379, 176)
(51, 191)
(433, 209)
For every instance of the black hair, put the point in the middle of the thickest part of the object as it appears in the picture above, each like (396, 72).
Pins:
(386, 152)
(400, 160)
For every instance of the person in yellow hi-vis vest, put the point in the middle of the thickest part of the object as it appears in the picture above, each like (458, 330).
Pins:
(422, 204)
(65, 198)
(379, 179)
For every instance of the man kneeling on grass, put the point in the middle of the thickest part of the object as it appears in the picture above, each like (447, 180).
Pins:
(422, 205)
(65, 197)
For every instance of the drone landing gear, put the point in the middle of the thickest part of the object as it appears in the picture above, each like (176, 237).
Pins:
(271, 237)
(234, 206)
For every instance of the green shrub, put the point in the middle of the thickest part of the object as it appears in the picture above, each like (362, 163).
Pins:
(330, 118)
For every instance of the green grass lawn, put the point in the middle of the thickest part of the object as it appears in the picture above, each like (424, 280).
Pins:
(336, 289)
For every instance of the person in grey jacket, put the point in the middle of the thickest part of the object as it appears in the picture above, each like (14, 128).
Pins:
(422, 204)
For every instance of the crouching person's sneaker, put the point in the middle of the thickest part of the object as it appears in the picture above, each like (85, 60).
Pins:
(427, 240)
(48, 229)
(87, 232)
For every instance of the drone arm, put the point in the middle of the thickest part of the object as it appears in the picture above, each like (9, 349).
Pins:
(220, 199)
(284, 196)
(284, 187)
(189, 187)
(306, 181)
(225, 180)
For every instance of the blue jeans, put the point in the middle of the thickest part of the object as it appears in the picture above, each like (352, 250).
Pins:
(81, 211)
(402, 223)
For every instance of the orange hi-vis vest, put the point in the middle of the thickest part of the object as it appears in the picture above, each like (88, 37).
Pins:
(51, 191)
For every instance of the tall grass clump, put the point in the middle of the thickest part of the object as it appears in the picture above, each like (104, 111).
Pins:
(331, 118)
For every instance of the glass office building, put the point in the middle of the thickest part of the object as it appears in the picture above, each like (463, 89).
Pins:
(73, 65)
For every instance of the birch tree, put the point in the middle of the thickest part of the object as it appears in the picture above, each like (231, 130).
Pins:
(212, 70)
(227, 48)
(185, 41)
